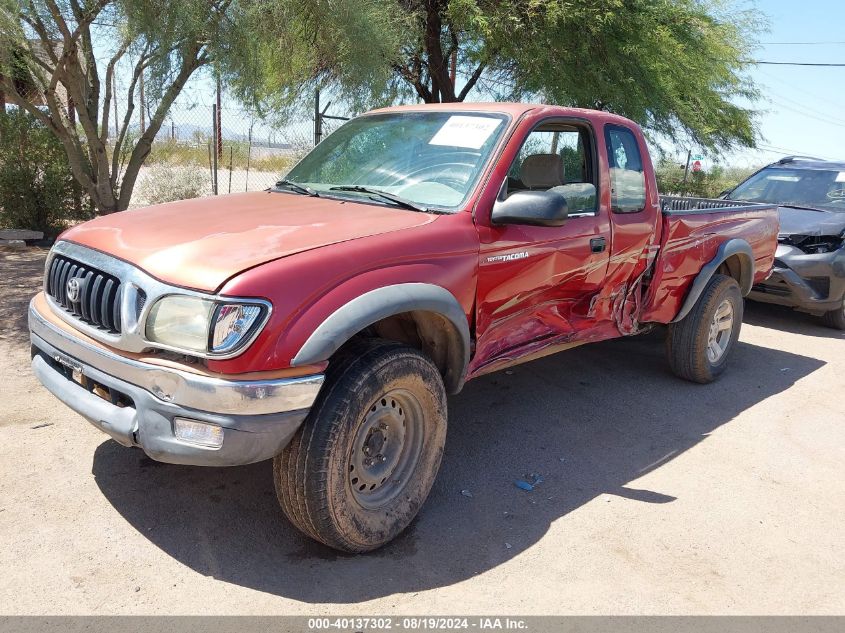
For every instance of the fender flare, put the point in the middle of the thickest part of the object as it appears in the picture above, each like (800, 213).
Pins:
(727, 249)
(378, 304)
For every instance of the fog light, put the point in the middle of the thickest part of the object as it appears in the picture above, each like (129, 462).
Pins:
(198, 432)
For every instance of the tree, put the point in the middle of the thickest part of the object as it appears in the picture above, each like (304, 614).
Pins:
(677, 67)
(71, 49)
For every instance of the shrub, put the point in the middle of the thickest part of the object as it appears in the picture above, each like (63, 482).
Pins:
(670, 179)
(37, 189)
(166, 182)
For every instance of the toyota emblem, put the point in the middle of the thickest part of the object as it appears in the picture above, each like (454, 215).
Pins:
(74, 286)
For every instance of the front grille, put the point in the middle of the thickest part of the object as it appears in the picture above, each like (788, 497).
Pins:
(98, 300)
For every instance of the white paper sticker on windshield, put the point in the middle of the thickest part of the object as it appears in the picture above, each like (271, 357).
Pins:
(841, 177)
(465, 131)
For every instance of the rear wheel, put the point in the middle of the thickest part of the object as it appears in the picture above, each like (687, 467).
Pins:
(699, 345)
(363, 462)
(835, 318)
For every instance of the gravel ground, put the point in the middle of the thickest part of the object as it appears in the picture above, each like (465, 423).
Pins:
(658, 497)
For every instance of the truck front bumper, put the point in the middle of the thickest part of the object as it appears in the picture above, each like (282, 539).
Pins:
(136, 403)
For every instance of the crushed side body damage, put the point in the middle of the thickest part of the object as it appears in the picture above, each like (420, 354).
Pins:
(691, 242)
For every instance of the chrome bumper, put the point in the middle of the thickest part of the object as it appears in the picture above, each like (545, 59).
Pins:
(258, 416)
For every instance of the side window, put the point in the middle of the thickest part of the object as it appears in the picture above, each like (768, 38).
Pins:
(627, 177)
(557, 156)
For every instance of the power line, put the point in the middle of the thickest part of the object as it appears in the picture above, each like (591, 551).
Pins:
(778, 99)
(803, 113)
(800, 43)
(802, 90)
(797, 64)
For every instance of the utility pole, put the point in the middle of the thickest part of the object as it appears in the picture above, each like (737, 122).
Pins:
(218, 120)
(686, 170)
(215, 158)
(318, 122)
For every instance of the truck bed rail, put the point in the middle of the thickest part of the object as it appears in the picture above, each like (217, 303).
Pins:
(679, 205)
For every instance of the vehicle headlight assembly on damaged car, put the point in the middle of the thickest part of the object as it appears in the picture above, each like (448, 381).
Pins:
(207, 327)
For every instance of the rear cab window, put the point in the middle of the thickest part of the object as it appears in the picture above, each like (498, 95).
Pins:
(627, 176)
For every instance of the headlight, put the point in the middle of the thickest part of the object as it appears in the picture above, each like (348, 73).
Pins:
(204, 326)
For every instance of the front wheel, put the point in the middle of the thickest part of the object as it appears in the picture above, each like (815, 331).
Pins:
(835, 318)
(362, 464)
(699, 345)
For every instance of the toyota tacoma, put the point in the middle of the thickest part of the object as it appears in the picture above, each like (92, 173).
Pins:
(323, 322)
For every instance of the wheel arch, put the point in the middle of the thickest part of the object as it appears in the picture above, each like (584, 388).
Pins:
(425, 316)
(734, 258)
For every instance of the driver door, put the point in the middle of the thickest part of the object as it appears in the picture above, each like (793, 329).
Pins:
(536, 284)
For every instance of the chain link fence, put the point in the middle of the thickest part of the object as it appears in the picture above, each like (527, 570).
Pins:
(196, 153)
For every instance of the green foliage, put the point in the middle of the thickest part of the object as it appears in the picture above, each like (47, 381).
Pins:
(674, 66)
(677, 67)
(61, 54)
(37, 189)
(292, 46)
(709, 184)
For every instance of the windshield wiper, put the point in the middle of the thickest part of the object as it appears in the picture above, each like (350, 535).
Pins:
(799, 206)
(298, 188)
(386, 195)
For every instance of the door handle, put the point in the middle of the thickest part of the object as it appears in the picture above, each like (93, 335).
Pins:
(598, 244)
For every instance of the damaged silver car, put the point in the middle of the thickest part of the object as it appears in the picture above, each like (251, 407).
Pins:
(809, 271)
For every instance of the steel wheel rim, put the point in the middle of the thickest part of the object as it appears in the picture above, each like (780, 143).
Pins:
(721, 331)
(386, 448)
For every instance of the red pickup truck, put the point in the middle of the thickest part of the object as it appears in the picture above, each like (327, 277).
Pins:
(323, 322)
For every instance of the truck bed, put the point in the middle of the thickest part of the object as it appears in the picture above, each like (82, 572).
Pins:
(692, 229)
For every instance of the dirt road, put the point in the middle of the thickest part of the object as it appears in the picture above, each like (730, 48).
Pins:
(659, 496)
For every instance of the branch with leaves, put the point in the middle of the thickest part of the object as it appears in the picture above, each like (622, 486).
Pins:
(55, 48)
(674, 66)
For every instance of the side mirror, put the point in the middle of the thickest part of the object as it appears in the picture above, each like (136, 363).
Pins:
(533, 208)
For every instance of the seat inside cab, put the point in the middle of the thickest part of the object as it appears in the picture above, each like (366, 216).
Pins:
(557, 156)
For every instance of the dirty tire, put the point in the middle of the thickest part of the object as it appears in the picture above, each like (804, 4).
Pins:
(687, 341)
(366, 388)
(835, 318)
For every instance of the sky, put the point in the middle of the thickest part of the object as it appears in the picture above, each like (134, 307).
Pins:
(803, 108)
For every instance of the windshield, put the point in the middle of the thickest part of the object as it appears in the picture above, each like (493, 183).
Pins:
(430, 159)
(815, 188)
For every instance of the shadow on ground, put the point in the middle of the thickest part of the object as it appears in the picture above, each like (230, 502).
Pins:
(590, 421)
(787, 320)
(21, 273)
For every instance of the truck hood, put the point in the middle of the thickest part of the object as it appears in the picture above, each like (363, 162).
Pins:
(810, 222)
(201, 243)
